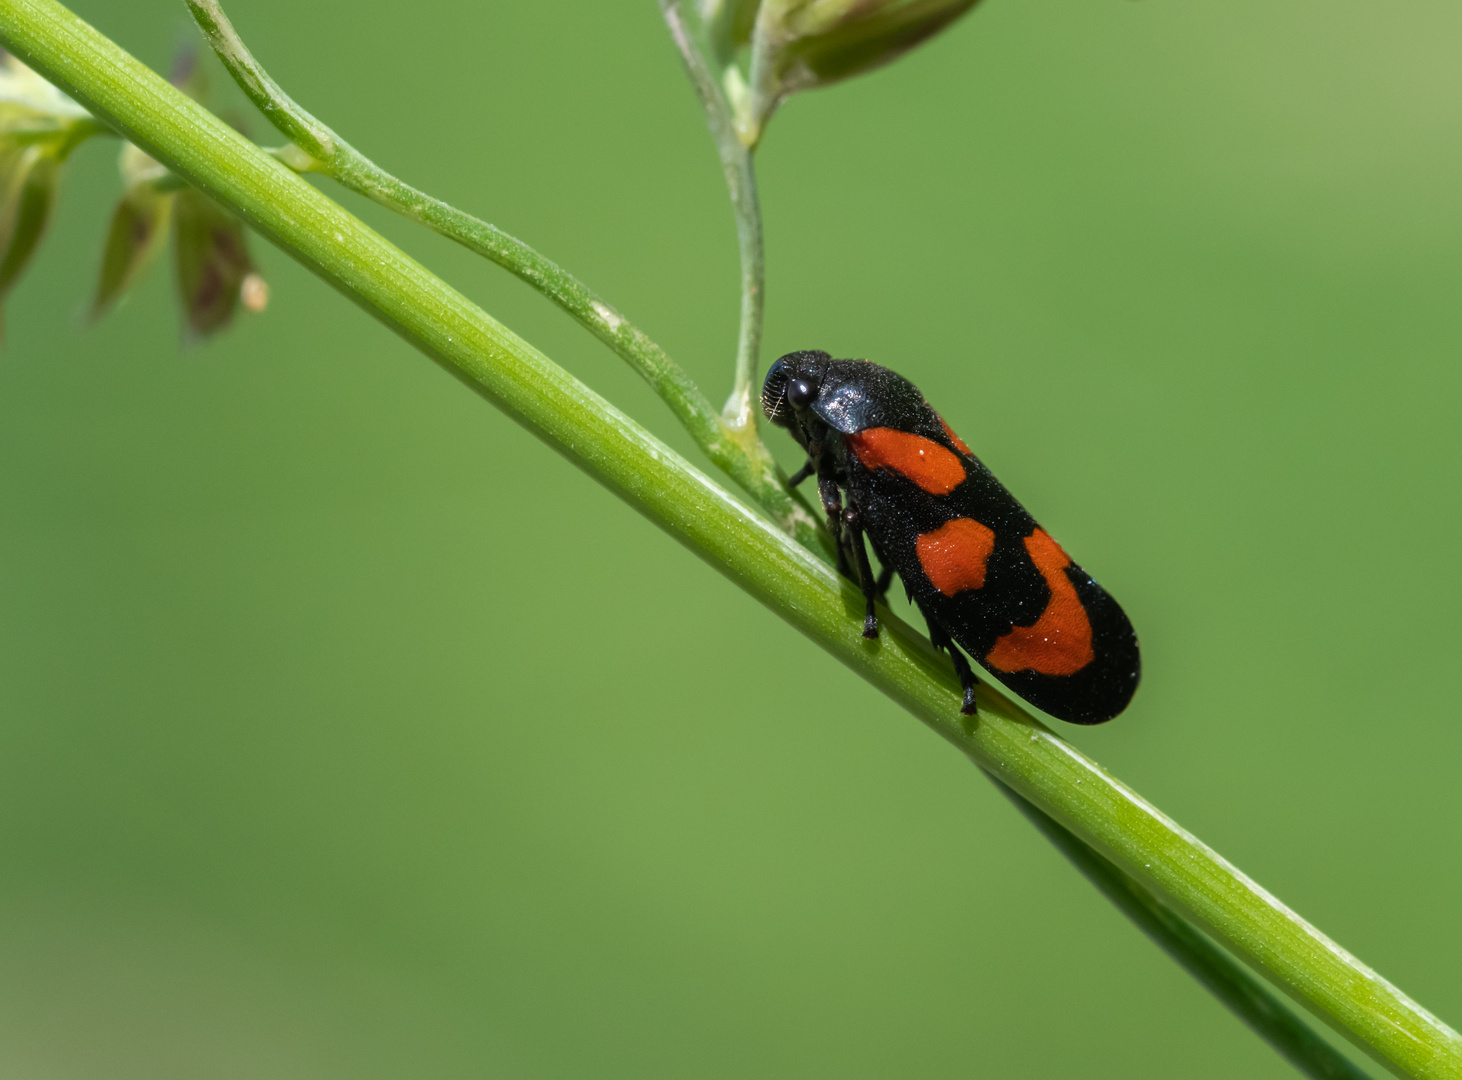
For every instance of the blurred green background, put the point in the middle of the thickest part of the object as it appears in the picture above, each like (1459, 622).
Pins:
(346, 731)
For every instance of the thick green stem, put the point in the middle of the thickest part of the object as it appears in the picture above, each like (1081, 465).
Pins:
(723, 439)
(1065, 785)
(1248, 998)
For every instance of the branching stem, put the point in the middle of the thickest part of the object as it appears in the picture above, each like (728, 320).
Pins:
(736, 162)
(1241, 992)
(1108, 817)
(725, 440)
(315, 147)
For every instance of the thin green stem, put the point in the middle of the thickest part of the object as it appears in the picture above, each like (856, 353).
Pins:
(1242, 993)
(1248, 998)
(1181, 871)
(317, 148)
(736, 162)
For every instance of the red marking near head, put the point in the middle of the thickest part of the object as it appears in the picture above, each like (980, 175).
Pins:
(935, 469)
(959, 444)
(953, 556)
(1060, 641)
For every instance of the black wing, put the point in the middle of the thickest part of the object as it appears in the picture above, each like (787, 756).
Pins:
(980, 566)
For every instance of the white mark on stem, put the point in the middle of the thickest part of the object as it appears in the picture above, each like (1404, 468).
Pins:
(608, 317)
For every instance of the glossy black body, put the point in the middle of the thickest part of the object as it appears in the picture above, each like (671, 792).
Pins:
(832, 399)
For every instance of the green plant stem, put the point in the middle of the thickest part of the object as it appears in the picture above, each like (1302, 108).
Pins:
(736, 162)
(1070, 788)
(1242, 993)
(1246, 996)
(316, 147)
(724, 440)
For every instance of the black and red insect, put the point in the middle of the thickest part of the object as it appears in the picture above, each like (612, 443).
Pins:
(985, 575)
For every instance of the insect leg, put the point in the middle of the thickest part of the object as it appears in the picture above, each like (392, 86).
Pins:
(853, 530)
(940, 639)
(885, 574)
(801, 474)
(832, 503)
(885, 579)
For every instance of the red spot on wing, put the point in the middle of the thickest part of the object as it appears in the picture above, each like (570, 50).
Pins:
(934, 468)
(959, 444)
(953, 556)
(1060, 641)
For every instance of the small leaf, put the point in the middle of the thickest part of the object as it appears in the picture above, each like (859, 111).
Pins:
(28, 178)
(212, 261)
(139, 228)
(838, 39)
(39, 127)
(28, 102)
(802, 44)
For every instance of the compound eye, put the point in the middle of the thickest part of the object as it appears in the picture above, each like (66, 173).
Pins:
(801, 393)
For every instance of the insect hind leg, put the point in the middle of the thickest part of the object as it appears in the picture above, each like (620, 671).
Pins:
(832, 504)
(885, 573)
(940, 639)
(885, 579)
(853, 534)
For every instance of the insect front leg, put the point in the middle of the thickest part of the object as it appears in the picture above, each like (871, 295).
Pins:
(940, 639)
(853, 531)
(801, 474)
